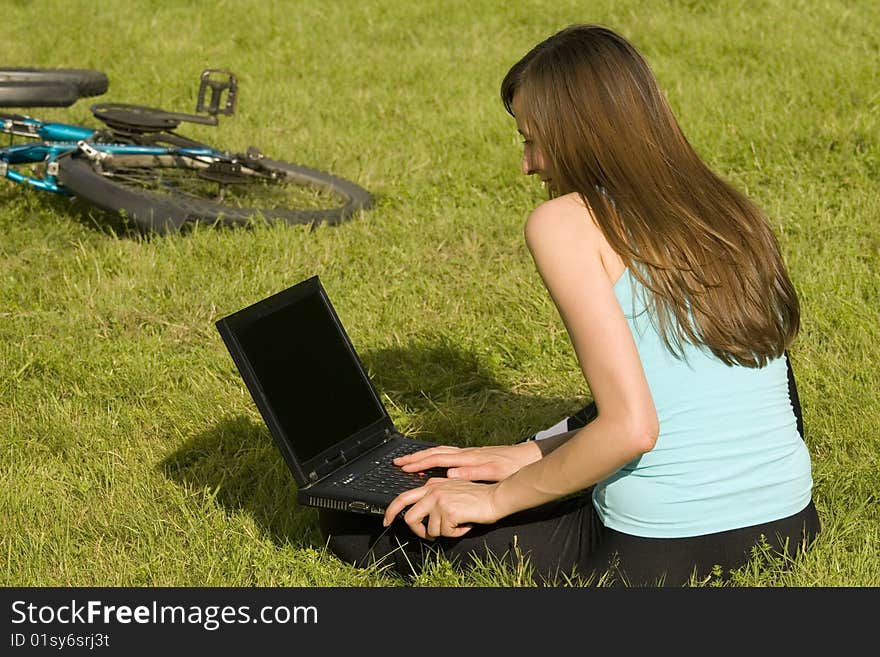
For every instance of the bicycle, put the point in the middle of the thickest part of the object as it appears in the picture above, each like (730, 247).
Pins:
(140, 167)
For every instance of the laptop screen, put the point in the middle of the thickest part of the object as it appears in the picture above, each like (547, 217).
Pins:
(309, 374)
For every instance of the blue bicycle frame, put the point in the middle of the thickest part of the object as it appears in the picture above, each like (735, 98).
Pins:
(61, 139)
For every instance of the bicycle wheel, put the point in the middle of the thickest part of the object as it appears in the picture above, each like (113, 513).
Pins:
(87, 82)
(161, 194)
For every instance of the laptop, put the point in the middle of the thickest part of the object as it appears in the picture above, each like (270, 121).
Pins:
(318, 401)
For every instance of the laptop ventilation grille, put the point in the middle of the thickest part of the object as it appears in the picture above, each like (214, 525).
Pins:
(328, 504)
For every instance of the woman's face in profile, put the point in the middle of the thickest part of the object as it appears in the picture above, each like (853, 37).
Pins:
(533, 160)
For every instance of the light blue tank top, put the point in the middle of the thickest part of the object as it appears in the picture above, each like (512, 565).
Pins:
(728, 454)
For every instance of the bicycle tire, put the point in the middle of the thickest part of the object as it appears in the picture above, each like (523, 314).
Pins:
(37, 94)
(87, 82)
(169, 210)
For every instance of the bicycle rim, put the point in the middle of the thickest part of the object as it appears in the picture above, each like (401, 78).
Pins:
(164, 193)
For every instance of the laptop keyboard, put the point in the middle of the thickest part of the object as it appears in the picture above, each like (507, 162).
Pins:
(386, 477)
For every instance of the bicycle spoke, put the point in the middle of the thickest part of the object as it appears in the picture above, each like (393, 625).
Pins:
(243, 190)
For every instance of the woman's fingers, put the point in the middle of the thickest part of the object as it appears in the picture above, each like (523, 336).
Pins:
(434, 526)
(423, 513)
(456, 531)
(443, 509)
(399, 503)
(424, 455)
(416, 517)
(448, 458)
(473, 467)
(485, 472)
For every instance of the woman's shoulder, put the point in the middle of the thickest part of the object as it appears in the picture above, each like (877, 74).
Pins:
(571, 204)
(568, 222)
(564, 216)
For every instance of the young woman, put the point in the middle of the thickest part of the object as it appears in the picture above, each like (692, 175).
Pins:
(680, 310)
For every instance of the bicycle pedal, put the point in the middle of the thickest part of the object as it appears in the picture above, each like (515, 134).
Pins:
(225, 173)
(218, 81)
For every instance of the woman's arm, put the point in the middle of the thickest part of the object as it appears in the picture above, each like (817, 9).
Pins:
(565, 244)
(496, 462)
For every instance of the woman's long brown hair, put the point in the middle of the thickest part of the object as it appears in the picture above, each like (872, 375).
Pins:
(593, 106)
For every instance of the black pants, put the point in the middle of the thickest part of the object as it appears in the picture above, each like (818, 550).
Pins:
(566, 538)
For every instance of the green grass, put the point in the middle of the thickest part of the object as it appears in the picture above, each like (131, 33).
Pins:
(131, 451)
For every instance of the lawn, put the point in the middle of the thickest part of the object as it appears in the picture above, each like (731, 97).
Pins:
(131, 453)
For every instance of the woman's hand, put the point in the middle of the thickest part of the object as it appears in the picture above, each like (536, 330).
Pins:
(472, 463)
(444, 507)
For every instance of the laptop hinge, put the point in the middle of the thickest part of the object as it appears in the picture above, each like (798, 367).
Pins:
(328, 466)
(344, 456)
(336, 461)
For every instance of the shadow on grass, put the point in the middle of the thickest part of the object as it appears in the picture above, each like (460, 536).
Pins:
(447, 394)
(114, 224)
(34, 201)
(110, 224)
(439, 391)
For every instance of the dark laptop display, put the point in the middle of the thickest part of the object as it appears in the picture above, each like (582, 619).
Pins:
(317, 400)
(300, 362)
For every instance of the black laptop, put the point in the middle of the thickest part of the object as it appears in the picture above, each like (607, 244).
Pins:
(318, 402)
